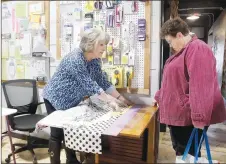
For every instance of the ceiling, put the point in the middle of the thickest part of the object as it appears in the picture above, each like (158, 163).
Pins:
(209, 10)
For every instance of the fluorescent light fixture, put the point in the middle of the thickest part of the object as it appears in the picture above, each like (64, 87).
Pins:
(193, 16)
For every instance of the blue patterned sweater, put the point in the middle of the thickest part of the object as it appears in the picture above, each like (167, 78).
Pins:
(74, 79)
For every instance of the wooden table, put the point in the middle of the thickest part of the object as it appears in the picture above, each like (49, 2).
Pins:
(136, 143)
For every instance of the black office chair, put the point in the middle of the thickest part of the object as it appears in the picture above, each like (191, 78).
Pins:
(22, 95)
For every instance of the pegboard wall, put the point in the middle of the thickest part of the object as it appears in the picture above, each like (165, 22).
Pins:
(131, 40)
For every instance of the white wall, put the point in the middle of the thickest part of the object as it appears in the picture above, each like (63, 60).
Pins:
(2, 122)
(53, 21)
(218, 31)
(155, 47)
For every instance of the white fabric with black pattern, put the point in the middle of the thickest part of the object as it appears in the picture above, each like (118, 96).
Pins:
(84, 133)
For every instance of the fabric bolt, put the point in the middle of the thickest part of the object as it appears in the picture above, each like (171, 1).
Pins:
(85, 132)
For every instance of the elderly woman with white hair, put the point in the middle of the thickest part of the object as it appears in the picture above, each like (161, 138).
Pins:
(79, 75)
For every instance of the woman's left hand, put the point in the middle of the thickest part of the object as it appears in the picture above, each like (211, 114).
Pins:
(154, 103)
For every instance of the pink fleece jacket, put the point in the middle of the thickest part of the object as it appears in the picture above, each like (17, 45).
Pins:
(190, 93)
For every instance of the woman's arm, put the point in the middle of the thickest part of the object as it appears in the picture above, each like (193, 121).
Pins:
(157, 96)
(78, 70)
(100, 76)
(106, 85)
(114, 93)
(202, 75)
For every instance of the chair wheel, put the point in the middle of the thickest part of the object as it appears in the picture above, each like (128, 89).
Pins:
(7, 160)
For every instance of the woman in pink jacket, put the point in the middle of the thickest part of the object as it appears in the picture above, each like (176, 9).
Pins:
(190, 94)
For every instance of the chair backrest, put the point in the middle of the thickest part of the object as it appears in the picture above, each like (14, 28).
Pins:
(21, 95)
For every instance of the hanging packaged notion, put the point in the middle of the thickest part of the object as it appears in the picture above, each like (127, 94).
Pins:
(141, 29)
(109, 4)
(68, 31)
(119, 13)
(88, 21)
(111, 18)
(88, 17)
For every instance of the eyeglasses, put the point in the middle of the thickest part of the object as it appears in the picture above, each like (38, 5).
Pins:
(170, 42)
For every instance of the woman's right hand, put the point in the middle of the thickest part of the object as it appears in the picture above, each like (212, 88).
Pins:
(116, 104)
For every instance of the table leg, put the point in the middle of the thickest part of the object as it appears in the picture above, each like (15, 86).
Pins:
(96, 158)
(151, 140)
(10, 140)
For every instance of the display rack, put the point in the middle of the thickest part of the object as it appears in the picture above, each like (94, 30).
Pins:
(140, 82)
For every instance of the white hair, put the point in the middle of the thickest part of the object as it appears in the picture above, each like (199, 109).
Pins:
(91, 38)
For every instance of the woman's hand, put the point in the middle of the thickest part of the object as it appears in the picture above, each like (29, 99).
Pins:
(118, 107)
(114, 103)
(118, 96)
(117, 101)
(154, 103)
(129, 103)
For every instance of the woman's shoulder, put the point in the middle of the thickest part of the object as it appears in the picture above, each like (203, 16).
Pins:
(74, 57)
(199, 49)
(197, 44)
(76, 53)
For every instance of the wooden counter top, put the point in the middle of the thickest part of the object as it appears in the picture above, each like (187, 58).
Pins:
(136, 143)
(139, 122)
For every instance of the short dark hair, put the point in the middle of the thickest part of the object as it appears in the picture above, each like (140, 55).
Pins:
(173, 26)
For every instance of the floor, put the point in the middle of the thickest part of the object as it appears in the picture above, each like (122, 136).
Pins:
(216, 133)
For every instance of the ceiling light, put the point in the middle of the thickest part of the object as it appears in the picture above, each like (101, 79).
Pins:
(193, 16)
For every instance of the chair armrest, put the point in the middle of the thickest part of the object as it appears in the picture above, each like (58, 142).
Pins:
(40, 103)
